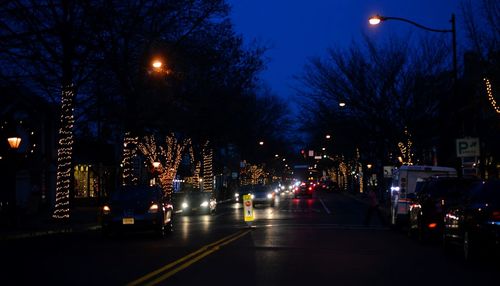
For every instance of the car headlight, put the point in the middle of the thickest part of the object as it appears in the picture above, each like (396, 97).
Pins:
(269, 196)
(153, 208)
(236, 195)
(106, 210)
(204, 204)
(184, 205)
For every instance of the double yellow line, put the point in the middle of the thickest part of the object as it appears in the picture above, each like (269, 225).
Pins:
(170, 269)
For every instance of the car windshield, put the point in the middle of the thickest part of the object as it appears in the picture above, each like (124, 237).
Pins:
(260, 189)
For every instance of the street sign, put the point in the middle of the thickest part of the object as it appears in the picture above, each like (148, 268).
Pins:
(468, 147)
(248, 207)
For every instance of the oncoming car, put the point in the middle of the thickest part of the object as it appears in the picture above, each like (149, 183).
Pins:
(199, 202)
(134, 208)
(262, 194)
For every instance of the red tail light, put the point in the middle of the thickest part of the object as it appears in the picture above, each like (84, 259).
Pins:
(432, 225)
(495, 215)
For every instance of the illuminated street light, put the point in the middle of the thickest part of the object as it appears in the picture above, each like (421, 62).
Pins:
(342, 104)
(156, 165)
(157, 64)
(377, 19)
(328, 136)
(261, 143)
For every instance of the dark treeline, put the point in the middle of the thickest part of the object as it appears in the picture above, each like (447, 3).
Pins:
(208, 89)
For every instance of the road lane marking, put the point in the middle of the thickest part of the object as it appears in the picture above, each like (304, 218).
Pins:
(324, 206)
(192, 258)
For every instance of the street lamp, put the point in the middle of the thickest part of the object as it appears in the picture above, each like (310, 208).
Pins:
(375, 20)
(158, 66)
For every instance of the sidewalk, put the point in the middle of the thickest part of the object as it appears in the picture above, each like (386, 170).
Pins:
(82, 219)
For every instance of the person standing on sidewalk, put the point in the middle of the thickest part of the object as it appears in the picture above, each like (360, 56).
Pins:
(373, 207)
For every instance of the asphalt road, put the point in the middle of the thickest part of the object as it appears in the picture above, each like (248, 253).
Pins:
(319, 241)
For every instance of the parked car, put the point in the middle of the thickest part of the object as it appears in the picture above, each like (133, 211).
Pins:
(198, 202)
(134, 208)
(304, 189)
(428, 204)
(474, 222)
(404, 182)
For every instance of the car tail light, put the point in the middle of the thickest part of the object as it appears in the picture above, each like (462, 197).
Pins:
(153, 208)
(432, 225)
(496, 215)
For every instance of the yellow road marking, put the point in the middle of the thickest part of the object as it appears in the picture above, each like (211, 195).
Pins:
(198, 254)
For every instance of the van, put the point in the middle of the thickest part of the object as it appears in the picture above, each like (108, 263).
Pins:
(403, 187)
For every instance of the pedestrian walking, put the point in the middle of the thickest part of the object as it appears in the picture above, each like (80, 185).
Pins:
(373, 206)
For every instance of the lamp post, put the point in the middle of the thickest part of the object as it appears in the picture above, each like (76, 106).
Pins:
(375, 20)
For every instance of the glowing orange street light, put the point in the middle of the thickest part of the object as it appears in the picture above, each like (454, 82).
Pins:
(157, 64)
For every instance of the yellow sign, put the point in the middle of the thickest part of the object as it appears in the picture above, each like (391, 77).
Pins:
(248, 208)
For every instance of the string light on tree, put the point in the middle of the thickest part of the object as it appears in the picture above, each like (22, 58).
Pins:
(169, 157)
(207, 168)
(129, 153)
(64, 155)
(491, 98)
(406, 149)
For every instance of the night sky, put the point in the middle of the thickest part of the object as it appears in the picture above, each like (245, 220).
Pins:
(295, 30)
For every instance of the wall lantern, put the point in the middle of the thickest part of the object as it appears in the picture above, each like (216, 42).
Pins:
(14, 142)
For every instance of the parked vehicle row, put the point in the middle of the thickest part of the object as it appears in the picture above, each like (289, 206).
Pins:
(463, 214)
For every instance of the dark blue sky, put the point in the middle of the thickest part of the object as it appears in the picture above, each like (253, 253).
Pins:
(296, 30)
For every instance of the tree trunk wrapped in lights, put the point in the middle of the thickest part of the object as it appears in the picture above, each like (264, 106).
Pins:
(208, 174)
(169, 158)
(64, 154)
(197, 169)
(406, 149)
(129, 176)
